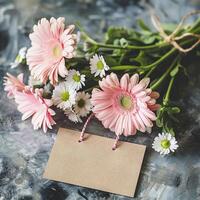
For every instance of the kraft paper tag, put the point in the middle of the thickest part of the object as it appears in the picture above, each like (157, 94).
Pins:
(93, 164)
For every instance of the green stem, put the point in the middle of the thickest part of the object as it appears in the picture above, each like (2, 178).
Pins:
(111, 46)
(88, 38)
(153, 65)
(149, 72)
(162, 78)
(133, 47)
(129, 67)
(124, 67)
(166, 98)
(161, 59)
(152, 69)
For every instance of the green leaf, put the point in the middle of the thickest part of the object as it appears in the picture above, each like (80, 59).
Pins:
(132, 36)
(174, 71)
(143, 58)
(142, 25)
(123, 42)
(175, 110)
(159, 122)
(159, 112)
(118, 33)
(148, 38)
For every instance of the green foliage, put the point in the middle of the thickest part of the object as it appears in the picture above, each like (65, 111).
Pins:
(143, 58)
(142, 25)
(146, 52)
(131, 36)
(114, 33)
(166, 117)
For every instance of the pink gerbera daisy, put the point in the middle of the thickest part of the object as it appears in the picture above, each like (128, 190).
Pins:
(13, 84)
(51, 44)
(125, 106)
(31, 103)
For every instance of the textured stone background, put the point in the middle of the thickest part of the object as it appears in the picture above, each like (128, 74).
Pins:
(24, 152)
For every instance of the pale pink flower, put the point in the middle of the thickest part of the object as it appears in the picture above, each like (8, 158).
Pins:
(51, 44)
(125, 106)
(13, 84)
(31, 103)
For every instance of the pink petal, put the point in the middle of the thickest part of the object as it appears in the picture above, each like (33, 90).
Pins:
(124, 81)
(133, 81)
(43, 62)
(119, 125)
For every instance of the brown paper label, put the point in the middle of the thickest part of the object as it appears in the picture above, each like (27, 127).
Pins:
(93, 164)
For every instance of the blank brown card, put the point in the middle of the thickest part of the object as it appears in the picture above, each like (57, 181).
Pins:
(94, 164)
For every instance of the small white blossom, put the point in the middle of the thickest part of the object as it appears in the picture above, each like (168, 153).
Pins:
(64, 96)
(72, 115)
(75, 79)
(20, 57)
(98, 66)
(83, 105)
(165, 143)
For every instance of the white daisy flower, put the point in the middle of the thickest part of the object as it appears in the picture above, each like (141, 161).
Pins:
(20, 57)
(72, 115)
(165, 143)
(64, 95)
(75, 79)
(98, 66)
(83, 105)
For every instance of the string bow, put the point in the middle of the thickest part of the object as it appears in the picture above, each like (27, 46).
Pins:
(172, 38)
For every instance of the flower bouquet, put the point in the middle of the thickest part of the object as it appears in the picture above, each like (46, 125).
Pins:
(118, 81)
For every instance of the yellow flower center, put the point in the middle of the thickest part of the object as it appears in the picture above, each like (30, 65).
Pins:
(18, 58)
(76, 78)
(165, 144)
(126, 102)
(81, 103)
(100, 65)
(57, 51)
(64, 96)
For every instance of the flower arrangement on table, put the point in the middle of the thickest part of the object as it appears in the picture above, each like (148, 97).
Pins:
(108, 80)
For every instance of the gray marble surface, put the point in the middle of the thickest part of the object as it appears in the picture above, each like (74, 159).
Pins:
(24, 152)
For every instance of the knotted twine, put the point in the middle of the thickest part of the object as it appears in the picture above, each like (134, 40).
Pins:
(172, 38)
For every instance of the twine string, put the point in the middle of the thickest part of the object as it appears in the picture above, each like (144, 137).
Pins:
(84, 127)
(172, 38)
(115, 143)
(83, 133)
